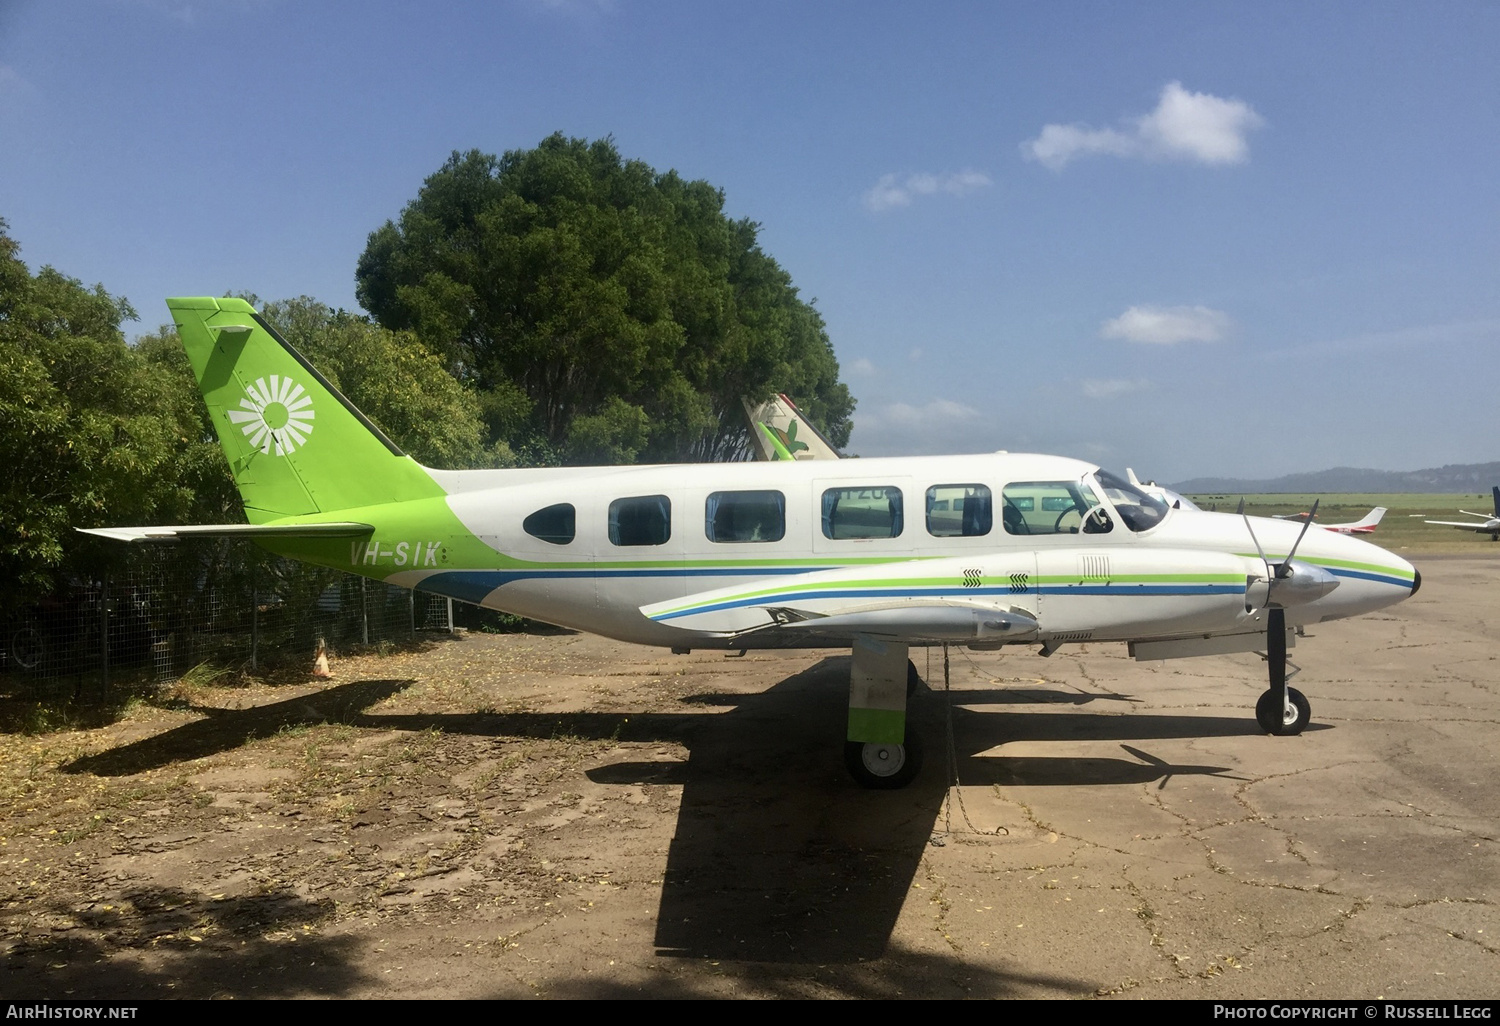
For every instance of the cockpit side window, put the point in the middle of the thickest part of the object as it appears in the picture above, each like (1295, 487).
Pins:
(1052, 507)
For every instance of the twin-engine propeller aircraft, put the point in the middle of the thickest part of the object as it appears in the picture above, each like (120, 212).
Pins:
(1364, 525)
(873, 554)
(1486, 524)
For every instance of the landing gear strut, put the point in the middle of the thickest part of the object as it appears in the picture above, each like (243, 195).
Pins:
(880, 750)
(1281, 710)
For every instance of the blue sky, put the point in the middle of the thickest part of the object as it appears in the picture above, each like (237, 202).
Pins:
(1239, 239)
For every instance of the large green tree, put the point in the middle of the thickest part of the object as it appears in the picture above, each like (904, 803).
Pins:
(603, 310)
(88, 436)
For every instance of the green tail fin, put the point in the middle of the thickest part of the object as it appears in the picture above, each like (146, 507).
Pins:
(295, 445)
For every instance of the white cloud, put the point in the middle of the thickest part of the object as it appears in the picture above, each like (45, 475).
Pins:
(1197, 127)
(893, 191)
(1167, 325)
(862, 367)
(1108, 388)
(937, 411)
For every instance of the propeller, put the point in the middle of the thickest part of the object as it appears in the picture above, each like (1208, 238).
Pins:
(1290, 582)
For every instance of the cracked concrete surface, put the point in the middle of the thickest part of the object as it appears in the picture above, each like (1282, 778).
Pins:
(564, 816)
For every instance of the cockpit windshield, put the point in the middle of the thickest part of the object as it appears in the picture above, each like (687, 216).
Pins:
(1140, 511)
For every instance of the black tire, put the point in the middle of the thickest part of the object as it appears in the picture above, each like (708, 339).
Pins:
(1271, 715)
(27, 647)
(913, 678)
(884, 767)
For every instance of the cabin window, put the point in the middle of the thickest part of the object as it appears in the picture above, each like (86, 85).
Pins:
(555, 524)
(641, 520)
(1052, 507)
(745, 516)
(959, 511)
(862, 512)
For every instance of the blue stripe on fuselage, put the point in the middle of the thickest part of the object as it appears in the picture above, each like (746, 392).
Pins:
(1116, 590)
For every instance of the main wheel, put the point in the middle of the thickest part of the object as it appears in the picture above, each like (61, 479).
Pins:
(27, 647)
(1288, 719)
(913, 678)
(884, 767)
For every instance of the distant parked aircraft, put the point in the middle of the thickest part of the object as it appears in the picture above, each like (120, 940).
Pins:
(1487, 524)
(1364, 525)
(1165, 494)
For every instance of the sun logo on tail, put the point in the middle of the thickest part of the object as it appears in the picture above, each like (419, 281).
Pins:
(277, 418)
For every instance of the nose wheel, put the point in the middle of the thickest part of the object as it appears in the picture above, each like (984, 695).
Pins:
(1288, 717)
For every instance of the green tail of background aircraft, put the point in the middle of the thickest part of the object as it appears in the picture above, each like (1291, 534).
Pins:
(875, 555)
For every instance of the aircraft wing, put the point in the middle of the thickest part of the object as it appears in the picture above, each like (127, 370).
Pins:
(340, 529)
(1471, 525)
(915, 600)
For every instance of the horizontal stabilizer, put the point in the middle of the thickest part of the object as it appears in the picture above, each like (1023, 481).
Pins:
(342, 529)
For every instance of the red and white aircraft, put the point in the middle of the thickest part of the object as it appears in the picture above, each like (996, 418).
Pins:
(1364, 525)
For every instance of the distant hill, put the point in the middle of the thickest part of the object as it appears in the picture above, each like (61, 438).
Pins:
(1457, 477)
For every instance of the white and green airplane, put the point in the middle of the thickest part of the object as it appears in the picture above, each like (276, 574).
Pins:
(872, 554)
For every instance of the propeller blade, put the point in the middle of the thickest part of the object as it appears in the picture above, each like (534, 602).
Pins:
(1285, 570)
(1256, 540)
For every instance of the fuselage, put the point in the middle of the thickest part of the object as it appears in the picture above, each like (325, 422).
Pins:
(709, 546)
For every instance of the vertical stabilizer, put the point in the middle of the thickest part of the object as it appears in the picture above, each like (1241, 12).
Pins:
(781, 432)
(294, 444)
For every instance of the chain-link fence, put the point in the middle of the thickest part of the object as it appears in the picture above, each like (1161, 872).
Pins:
(218, 602)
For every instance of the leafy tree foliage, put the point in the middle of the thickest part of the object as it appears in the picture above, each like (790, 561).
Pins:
(394, 380)
(604, 311)
(87, 435)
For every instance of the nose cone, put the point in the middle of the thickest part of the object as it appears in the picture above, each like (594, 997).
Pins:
(1369, 577)
(1416, 580)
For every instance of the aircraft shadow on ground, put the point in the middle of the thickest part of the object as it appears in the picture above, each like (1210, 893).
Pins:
(778, 855)
(224, 729)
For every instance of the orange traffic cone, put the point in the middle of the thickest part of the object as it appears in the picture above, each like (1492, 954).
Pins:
(320, 663)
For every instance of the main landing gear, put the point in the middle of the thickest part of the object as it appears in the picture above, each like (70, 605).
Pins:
(884, 767)
(881, 752)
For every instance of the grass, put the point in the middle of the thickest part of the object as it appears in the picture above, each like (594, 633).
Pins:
(1402, 529)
